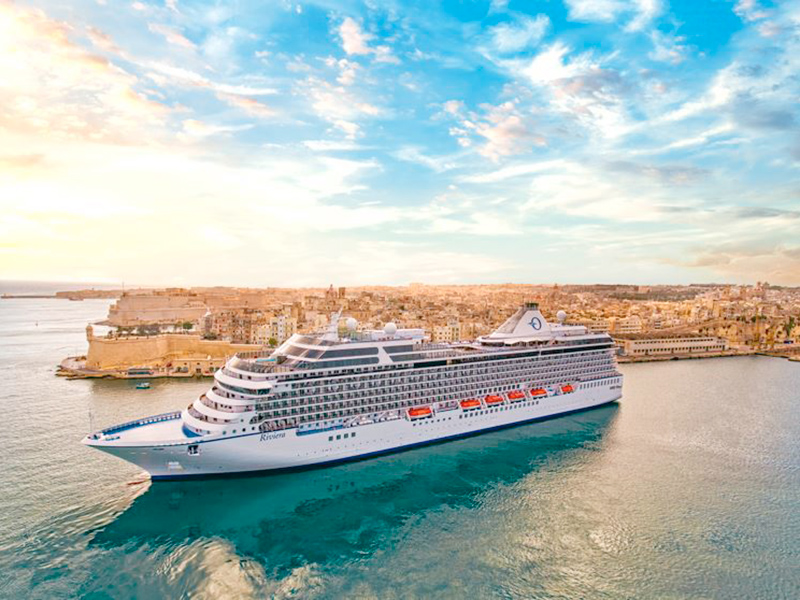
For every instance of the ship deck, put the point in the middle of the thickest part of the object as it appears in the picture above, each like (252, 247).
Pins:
(160, 429)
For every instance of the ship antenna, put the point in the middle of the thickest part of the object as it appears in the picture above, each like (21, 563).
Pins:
(333, 328)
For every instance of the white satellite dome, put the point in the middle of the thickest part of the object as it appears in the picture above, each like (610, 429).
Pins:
(351, 324)
(390, 328)
(561, 316)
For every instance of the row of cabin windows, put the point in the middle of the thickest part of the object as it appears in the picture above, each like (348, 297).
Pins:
(412, 392)
(599, 366)
(370, 380)
(454, 392)
(340, 436)
(472, 362)
(431, 380)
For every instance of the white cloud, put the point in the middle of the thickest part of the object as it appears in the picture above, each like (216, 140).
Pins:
(520, 34)
(607, 11)
(172, 35)
(383, 54)
(579, 88)
(55, 88)
(646, 12)
(690, 141)
(595, 11)
(386, 262)
(356, 41)
(251, 106)
(339, 106)
(513, 171)
(350, 129)
(550, 64)
(181, 76)
(348, 72)
(193, 128)
(586, 191)
(507, 132)
(453, 107)
(438, 163)
(331, 145)
(668, 48)
(750, 10)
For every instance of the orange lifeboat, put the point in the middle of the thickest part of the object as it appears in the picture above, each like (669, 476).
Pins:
(539, 392)
(490, 400)
(469, 404)
(515, 395)
(567, 388)
(419, 412)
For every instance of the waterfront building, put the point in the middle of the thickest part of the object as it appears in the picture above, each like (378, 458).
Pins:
(452, 332)
(677, 345)
(626, 325)
(596, 325)
(279, 329)
(235, 325)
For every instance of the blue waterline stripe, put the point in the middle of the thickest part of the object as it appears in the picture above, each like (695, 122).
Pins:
(358, 457)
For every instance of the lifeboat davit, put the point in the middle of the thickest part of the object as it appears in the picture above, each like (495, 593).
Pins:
(539, 392)
(515, 395)
(490, 400)
(470, 404)
(419, 412)
(567, 389)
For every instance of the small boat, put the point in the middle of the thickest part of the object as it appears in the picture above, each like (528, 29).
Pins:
(470, 404)
(490, 400)
(419, 412)
(515, 395)
(539, 392)
(143, 386)
(567, 389)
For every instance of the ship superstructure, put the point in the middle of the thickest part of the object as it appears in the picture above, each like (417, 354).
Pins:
(331, 397)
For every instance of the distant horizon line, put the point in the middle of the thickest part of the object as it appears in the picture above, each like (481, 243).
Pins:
(122, 285)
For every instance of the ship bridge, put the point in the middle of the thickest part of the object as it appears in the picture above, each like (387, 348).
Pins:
(528, 325)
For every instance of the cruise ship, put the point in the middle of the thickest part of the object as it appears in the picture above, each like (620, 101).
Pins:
(332, 397)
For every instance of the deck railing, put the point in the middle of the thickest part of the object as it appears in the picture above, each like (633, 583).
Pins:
(141, 422)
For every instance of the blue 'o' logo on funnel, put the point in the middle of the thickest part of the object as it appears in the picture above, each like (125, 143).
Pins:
(536, 323)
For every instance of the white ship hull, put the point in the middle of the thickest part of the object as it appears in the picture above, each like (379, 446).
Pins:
(286, 450)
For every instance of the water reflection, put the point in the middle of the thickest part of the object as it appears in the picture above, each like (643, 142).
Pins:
(340, 513)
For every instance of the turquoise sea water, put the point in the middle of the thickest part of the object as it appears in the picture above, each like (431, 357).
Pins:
(689, 488)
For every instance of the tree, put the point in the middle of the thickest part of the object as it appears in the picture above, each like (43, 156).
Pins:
(187, 325)
(273, 342)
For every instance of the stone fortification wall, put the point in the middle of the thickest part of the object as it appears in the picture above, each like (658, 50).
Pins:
(245, 300)
(157, 350)
(137, 310)
(132, 310)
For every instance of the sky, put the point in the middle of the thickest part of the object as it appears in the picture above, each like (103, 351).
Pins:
(302, 143)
